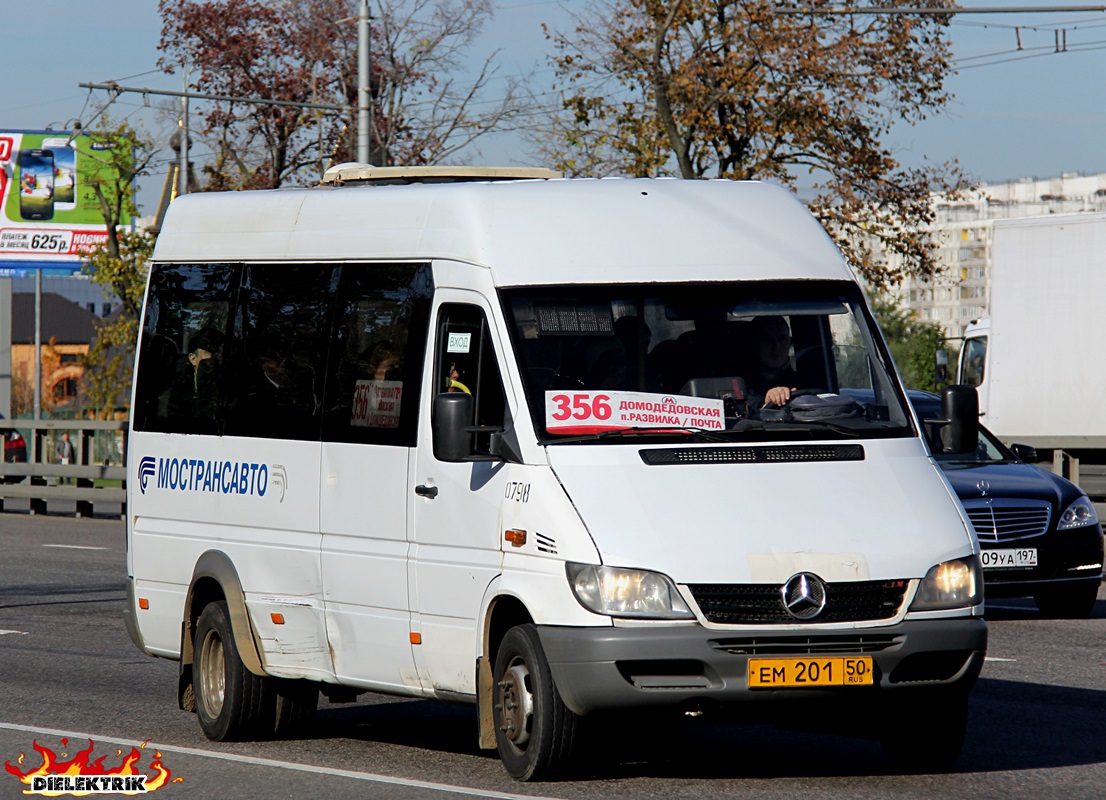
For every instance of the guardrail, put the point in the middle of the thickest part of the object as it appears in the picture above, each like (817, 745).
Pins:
(40, 479)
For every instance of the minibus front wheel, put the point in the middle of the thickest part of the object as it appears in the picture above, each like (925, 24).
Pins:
(535, 732)
(230, 700)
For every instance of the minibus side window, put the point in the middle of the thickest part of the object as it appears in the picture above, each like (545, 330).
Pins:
(381, 319)
(183, 381)
(282, 329)
(466, 363)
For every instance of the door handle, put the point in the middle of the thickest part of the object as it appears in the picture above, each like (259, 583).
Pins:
(423, 490)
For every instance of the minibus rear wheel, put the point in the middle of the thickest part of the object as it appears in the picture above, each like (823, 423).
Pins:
(535, 732)
(230, 700)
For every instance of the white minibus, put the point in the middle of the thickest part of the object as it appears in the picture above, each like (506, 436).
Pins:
(556, 448)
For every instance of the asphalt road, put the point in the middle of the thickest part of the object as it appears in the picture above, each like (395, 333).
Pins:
(70, 676)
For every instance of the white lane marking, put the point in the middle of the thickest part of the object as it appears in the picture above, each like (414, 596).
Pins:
(74, 547)
(265, 762)
(21, 633)
(996, 658)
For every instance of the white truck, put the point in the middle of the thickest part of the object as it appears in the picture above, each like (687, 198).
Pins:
(1039, 360)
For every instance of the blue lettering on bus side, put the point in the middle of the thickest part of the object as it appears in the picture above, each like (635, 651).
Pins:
(200, 475)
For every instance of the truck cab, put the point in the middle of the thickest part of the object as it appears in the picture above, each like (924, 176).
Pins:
(972, 368)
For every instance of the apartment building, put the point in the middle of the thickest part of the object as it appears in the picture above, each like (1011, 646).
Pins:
(961, 290)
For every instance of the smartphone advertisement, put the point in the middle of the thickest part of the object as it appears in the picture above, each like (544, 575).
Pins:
(36, 184)
(49, 214)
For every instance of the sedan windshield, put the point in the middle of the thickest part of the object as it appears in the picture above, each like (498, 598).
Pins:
(722, 362)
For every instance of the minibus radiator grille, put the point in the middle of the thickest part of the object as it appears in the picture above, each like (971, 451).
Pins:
(752, 455)
(762, 604)
(1003, 519)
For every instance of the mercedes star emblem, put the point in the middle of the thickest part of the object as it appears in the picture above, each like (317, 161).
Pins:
(804, 595)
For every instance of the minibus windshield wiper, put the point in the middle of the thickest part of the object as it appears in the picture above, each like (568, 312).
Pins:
(696, 434)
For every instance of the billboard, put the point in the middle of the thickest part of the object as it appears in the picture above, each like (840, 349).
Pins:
(49, 214)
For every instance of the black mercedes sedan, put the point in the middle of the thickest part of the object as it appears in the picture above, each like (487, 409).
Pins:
(1039, 533)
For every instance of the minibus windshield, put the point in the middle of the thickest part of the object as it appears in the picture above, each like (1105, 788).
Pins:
(740, 361)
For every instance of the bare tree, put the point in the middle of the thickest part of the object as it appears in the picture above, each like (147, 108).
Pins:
(305, 51)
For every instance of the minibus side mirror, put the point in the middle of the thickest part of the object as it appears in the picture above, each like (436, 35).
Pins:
(452, 431)
(960, 407)
(450, 422)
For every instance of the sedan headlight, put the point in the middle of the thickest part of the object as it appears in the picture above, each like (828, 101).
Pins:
(621, 592)
(950, 584)
(1078, 514)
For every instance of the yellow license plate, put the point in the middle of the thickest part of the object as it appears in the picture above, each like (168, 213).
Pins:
(787, 673)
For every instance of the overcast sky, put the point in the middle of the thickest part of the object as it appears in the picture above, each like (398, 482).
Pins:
(1032, 112)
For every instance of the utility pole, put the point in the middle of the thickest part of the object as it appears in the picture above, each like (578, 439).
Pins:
(184, 136)
(38, 354)
(364, 90)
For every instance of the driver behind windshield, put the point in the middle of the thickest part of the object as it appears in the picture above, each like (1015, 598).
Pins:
(771, 376)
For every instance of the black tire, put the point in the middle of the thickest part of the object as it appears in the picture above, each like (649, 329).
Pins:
(1075, 601)
(925, 733)
(296, 703)
(535, 732)
(232, 703)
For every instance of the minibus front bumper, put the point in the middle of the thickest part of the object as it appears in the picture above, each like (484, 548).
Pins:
(601, 669)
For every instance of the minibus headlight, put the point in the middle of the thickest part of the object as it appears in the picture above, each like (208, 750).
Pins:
(1078, 514)
(950, 584)
(621, 592)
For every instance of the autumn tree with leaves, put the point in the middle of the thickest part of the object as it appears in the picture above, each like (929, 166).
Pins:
(119, 266)
(305, 51)
(731, 89)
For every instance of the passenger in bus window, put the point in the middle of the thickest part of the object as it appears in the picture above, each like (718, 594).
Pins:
(453, 384)
(195, 391)
(385, 362)
(283, 382)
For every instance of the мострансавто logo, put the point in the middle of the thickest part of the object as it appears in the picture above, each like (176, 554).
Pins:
(59, 775)
(211, 475)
